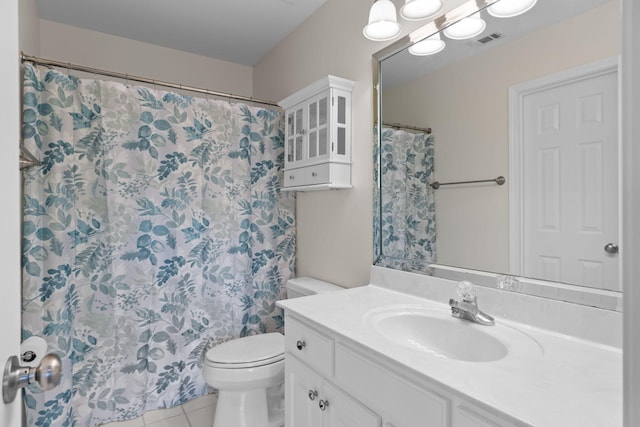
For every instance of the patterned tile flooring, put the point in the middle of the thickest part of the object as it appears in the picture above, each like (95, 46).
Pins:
(196, 413)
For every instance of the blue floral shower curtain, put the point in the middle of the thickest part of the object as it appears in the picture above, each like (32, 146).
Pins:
(154, 229)
(407, 210)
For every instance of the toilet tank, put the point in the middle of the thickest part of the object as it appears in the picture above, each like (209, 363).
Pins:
(303, 286)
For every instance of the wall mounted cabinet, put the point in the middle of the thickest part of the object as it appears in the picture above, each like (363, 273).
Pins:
(318, 136)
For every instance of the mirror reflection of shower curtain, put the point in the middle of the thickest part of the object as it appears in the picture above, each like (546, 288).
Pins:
(408, 208)
(154, 228)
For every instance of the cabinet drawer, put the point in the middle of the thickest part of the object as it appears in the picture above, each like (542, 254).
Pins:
(310, 346)
(294, 177)
(318, 174)
(398, 401)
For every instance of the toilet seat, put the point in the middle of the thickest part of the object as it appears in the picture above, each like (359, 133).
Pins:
(247, 352)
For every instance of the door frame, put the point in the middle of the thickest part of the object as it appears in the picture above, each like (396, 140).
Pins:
(517, 95)
(631, 209)
(10, 214)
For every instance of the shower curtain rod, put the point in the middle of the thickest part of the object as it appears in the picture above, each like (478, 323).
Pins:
(139, 79)
(407, 127)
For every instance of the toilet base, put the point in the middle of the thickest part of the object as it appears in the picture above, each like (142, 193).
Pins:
(248, 408)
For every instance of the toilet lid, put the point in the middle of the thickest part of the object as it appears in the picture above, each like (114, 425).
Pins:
(255, 350)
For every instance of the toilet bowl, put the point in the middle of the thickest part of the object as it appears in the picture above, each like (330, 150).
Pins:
(248, 372)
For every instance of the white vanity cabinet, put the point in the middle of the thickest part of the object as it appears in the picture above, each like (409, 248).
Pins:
(318, 136)
(311, 399)
(331, 381)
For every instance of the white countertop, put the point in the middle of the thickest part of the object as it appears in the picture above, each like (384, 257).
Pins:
(563, 382)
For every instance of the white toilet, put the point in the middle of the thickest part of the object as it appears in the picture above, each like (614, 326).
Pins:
(249, 372)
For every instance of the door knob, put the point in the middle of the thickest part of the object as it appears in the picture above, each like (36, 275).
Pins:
(611, 248)
(47, 375)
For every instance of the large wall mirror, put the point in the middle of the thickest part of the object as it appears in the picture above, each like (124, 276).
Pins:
(528, 107)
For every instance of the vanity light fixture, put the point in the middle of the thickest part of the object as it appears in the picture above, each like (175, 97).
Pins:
(510, 8)
(383, 23)
(415, 10)
(428, 46)
(466, 28)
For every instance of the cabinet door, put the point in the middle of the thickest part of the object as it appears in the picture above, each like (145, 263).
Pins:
(399, 401)
(341, 124)
(303, 389)
(340, 410)
(295, 134)
(318, 132)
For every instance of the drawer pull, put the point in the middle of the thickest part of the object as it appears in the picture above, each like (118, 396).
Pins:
(323, 404)
(291, 177)
(313, 394)
(314, 174)
(300, 345)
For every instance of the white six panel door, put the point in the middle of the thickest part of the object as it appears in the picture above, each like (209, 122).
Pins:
(571, 182)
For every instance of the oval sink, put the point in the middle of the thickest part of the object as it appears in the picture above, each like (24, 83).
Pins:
(435, 331)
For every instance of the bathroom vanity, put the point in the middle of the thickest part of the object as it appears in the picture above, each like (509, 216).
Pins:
(379, 356)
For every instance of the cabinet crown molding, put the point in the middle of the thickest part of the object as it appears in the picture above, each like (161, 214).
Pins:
(315, 88)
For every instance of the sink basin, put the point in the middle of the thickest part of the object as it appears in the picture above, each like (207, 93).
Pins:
(435, 331)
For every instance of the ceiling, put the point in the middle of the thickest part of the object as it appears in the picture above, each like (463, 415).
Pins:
(404, 67)
(240, 31)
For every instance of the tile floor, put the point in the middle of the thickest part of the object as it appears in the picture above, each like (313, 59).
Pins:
(195, 413)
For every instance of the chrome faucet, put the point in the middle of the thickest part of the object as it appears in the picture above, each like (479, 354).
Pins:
(468, 308)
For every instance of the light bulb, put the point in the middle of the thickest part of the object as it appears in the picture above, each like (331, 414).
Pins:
(510, 8)
(383, 23)
(428, 46)
(466, 28)
(414, 10)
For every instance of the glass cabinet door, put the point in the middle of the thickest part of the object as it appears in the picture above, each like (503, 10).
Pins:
(295, 134)
(341, 126)
(318, 142)
(299, 133)
(291, 132)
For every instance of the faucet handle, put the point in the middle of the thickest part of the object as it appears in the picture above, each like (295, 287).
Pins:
(466, 290)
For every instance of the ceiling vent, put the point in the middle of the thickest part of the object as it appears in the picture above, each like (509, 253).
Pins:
(486, 39)
(490, 38)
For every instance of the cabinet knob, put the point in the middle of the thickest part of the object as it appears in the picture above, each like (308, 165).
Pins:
(314, 174)
(301, 344)
(302, 131)
(323, 404)
(291, 177)
(313, 394)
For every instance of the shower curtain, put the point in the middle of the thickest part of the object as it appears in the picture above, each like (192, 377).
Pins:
(154, 229)
(407, 211)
